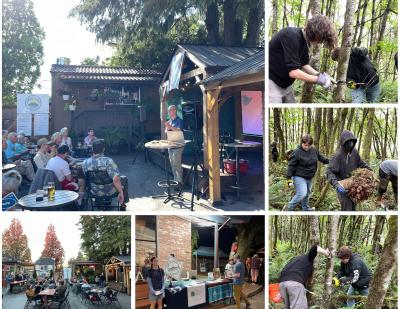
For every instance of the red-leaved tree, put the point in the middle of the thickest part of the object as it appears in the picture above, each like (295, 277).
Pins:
(15, 242)
(52, 247)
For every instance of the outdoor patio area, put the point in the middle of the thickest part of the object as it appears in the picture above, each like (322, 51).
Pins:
(17, 301)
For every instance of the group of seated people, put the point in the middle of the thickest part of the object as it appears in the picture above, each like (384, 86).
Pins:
(55, 155)
(33, 290)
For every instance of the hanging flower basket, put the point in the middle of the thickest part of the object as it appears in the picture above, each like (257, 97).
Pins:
(65, 97)
(72, 107)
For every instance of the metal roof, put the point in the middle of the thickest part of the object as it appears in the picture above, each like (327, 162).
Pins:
(45, 261)
(209, 252)
(251, 65)
(219, 56)
(105, 73)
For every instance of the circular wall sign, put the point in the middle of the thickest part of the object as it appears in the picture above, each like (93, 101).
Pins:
(33, 103)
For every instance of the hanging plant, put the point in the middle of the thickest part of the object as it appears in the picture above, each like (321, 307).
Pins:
(70, 106)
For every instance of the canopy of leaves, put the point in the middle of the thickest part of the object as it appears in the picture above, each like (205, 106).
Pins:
(15, 242)
(105, 236)
(22, 48)
(90, 61)
(146, 31)
(52, 246)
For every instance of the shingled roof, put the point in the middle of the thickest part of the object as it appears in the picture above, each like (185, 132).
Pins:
(104, 73)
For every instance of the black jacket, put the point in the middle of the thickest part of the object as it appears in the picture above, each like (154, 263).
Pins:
(361, 69)
(355, 272)
(342, 163)
(304, 163)
(300, 268)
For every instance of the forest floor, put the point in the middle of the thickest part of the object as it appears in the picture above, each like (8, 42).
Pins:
(280, 195)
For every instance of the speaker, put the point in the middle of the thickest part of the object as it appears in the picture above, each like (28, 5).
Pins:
(192, 116)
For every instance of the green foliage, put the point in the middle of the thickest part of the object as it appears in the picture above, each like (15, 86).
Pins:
(105, 236)
(112, 135)
(90, 61)
(195, 239)
(276, 264)
(22, 49)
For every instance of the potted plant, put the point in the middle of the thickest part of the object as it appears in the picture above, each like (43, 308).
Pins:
(112, 136)
(64, 94)
(94, 95)
(70, 106)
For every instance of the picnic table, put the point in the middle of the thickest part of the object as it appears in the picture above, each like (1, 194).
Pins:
(62, 198)
(45, 294)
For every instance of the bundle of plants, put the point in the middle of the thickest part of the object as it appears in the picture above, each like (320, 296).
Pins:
(361, 185)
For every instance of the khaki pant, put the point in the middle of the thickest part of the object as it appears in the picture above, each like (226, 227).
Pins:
(175, 158)
(280, 95)
(238, 295)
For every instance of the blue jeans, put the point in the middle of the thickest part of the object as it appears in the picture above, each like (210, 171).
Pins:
(352, 291)
(362, 95)
(303, 190)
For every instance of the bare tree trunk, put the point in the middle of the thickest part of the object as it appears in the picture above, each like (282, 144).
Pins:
(365, 5)
(344, 54)
(278, 131)
(366, 147)
(229, 22)
(254, 21)
(376, 238)
(384, 271)
(332, 242)
(274, 26)
(307, 94)
(371, 38)
(382, 29)
(212, 23)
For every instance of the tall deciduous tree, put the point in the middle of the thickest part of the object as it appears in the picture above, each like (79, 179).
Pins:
(366, 148)
(105, 236)
(52, 247)
(384, 270)
(15, 242)
(22, 48)
(344, 54)
(332, 244)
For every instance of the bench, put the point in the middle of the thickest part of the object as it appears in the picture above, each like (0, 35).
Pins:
(142, 295)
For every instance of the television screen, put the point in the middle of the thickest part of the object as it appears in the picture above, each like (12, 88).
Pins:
(252, 112)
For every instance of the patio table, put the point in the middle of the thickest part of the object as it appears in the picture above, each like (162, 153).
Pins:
(62, 198)
(237, 145)
(45, 294)
(165, 145)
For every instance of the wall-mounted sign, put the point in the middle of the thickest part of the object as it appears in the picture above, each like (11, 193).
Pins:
(33, 103)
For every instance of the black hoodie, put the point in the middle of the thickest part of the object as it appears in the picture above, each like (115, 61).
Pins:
(304, 163)
(343, 163)
(355, 272)
(361, 69)
(300, 268)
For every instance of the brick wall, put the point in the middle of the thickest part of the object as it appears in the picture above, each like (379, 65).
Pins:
(174, 235)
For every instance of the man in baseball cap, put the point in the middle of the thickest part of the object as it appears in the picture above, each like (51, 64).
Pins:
(42, 156)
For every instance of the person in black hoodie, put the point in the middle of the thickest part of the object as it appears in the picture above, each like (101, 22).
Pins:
(362, 76)
(296, 276)
(353, 271)
(302, 167)
(344, 161)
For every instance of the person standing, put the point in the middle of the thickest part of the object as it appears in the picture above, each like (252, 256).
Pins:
(255, 268)
(156, 282)
(175, 155)
(353, 271)
(344, 161)
(295, 277)
(289, 57)
(387, 173)
(238, 281)
(303, 164)
(362, 76)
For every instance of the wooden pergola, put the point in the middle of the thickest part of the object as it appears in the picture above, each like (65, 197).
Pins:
(114, 265)
(196, 66)
(248, 74)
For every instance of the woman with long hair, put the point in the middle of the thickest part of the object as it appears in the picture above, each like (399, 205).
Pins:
(156, 281)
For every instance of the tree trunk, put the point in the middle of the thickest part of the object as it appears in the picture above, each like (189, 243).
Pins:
(278, 131)
(382, 30)
(344, 54)
(307, 94)
(365, 5)
(366, 147)
(212, 23)
(274, 25)
(254, 21)
(376, 238)
(229, 22)
(384, 271)
(371, 38)
(332, 242)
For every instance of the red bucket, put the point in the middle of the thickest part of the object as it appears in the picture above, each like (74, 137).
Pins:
(230, 166)
(274, 293)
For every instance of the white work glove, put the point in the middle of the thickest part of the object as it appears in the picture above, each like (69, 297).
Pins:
(322, 251)
(324, 80)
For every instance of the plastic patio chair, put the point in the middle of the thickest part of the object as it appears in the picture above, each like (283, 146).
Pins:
(100, 178)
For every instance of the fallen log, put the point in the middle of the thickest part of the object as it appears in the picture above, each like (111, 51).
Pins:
(361, 185)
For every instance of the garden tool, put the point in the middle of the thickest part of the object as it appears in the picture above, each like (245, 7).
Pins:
(336, 282)
(290, 184)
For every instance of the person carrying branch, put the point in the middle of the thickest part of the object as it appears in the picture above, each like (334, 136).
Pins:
(353, 271)
(344, 161)
(296, 275)
(387, 173)
(303, 164)
(289, 57)
(362, 77)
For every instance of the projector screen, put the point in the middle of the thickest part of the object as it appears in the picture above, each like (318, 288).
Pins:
(252, 112)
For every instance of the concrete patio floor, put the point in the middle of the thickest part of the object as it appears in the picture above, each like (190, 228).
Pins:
(143, 178)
